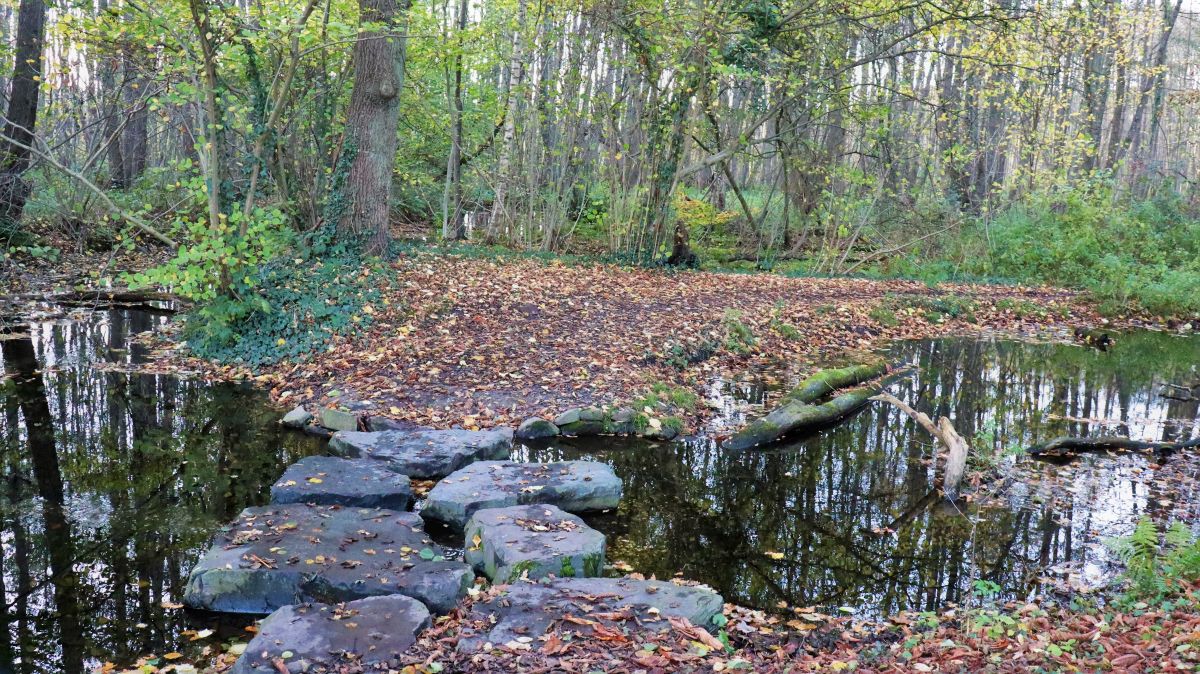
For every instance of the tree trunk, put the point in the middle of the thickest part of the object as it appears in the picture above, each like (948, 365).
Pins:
(134, 146)
(516, 72)
(22, 109)
(452, 200)
(371, 125)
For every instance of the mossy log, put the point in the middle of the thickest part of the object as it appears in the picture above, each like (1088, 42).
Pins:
(1109, 443)
(825, 382)
(797, 417)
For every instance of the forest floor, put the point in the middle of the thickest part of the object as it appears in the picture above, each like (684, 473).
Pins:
(1012, 638)
(477, 342)
(1007, 638)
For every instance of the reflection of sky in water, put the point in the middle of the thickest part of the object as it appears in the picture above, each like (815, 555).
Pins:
(850, 508)
(150, 465)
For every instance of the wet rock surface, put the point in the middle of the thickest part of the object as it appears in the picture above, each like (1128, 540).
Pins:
(338, 420)
(322, 637)
(525, 611)
(297, 418)
(329, 480)
(424, 454)
(536, 429)
(272, 556)
(532, 541)
(574, 486)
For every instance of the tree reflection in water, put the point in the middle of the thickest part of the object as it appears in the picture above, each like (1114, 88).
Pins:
(852, 509)
(112, 485)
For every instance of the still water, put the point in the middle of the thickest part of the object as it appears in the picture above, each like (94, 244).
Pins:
(114, 478)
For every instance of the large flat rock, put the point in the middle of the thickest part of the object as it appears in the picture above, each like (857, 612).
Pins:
(329, 480)
(530, 610)
(574, 486)
(532, 541)
(272, 556)
(424, 454)
(368, 633)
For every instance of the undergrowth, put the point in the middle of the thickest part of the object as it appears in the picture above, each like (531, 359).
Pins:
(1159, 564)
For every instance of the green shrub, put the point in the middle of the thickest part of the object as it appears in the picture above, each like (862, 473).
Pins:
(1139, 256)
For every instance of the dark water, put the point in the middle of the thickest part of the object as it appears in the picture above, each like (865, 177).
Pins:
(853, 511)
(112, 484)
(113, 481)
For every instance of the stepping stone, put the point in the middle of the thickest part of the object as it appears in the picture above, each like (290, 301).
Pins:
(337, 420)
(328, 480)
(536, 429)
(574, 486)
(368, 633)
(511, 613)
(424, 454)
(297, 418)
(272, 556)
(532, 541)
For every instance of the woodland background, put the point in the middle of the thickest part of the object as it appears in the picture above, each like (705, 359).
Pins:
(1022, 141)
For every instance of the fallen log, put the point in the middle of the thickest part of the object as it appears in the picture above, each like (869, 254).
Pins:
(825, 382)
(944, 431)
(797, 412)
(1109, 443)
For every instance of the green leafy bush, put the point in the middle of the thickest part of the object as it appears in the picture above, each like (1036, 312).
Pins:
(1140, 256)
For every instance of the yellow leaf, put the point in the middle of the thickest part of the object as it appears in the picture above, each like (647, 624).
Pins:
(173, 655)
(774, 555)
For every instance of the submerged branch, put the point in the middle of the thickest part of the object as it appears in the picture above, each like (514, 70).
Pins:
(944, 431)
(1109, 443)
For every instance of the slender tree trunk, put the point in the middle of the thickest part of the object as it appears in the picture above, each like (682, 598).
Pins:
(516, 73)
(371, 124)
(22, 109)
(452, 200)
(212, 150)
(1152, 85)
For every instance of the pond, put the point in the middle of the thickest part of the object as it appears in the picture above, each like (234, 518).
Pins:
(115, 477)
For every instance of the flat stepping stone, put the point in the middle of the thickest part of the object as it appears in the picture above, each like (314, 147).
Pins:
(297, 418)
(532, 541)
(574, 486)
(272, 556)
(524, 611)
(424, 454)
(329, 480)
(368, 633)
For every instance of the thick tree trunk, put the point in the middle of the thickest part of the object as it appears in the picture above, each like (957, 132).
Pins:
(134, 145)
(371, 121)
(22, 109)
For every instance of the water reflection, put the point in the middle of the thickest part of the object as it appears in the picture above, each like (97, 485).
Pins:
(112, 484)
(851, 511)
